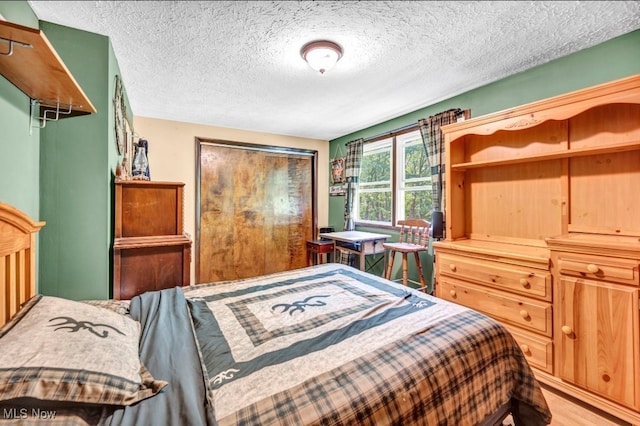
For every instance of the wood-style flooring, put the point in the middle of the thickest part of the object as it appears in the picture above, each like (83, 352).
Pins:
(568, 411)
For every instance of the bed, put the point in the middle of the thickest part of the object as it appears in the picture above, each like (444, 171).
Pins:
(327, 344)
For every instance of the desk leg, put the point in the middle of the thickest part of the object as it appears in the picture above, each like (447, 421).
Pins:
(363, 265)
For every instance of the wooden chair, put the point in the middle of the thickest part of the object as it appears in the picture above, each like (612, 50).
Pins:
(414, 238)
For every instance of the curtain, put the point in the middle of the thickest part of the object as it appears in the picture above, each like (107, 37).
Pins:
(352, 173)
(433, 141)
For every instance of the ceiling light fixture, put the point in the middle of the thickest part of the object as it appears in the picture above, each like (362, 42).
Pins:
(321, 55)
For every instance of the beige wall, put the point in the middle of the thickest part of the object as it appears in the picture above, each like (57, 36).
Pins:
(172, 157)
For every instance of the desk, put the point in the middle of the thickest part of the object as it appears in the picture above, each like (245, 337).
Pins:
(357, 242)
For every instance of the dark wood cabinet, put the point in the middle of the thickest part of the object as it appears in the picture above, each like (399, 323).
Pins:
(150, 249)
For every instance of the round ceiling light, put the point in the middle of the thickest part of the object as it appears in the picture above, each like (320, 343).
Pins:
(321, 55)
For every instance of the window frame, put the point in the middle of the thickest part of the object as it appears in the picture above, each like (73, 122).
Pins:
(383, 145)
(398, 140)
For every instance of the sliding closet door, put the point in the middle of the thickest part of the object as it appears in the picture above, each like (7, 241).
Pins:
(256, 210)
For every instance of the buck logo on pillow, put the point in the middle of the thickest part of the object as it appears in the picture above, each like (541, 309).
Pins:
(60, 350)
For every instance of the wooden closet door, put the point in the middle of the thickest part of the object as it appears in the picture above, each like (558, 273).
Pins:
(256, 211)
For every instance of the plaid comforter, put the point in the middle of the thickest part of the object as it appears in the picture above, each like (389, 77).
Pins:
(333, 345)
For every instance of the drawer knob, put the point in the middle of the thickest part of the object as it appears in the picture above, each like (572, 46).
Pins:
(452, 266)
(592, 268)
(452, 293)
(524, 314)
(567, 330)
(525, 349)
(606, 378)
(524, 283)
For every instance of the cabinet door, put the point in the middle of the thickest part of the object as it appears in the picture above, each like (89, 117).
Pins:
(598, 339)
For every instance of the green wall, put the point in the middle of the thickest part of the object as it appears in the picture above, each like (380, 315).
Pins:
(611, 60)
(19, 144)
(77, 163)
(63, 173)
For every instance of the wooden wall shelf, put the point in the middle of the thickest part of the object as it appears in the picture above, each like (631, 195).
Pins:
(35, 68)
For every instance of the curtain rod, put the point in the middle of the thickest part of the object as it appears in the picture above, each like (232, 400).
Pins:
(407, 127)
(390, 132)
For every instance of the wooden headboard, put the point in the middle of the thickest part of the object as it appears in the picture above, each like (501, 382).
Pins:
(17, 259)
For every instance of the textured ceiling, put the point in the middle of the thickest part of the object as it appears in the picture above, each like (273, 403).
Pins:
(237, 63)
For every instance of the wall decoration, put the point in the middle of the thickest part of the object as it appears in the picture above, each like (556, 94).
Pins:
(337, 170)
(123, 169)
(337, 190)
(120, 116)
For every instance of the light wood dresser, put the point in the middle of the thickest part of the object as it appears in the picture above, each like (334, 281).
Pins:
(543, 234)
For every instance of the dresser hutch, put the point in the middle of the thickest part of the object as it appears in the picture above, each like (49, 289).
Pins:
(150, 249)
(543, 234)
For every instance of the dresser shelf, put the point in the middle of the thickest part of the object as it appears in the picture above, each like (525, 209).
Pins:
(578, 152)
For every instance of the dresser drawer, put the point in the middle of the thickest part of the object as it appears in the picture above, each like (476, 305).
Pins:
(536, 349)
(517, 279)
(613, 269)
(520, 311)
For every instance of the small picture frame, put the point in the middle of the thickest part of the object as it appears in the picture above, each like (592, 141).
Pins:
(337, 171)
(337, 190)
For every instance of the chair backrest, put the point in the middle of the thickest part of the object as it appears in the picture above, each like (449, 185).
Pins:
(326, 230)
(414, 231)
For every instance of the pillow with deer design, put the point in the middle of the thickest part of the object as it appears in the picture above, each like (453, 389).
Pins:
(56, 349)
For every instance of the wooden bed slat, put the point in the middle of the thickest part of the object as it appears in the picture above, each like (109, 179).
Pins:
(23, 280)
(12, 285)
(17, 259)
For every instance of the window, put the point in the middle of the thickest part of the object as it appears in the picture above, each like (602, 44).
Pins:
(375, 194)
(395, 181)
